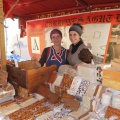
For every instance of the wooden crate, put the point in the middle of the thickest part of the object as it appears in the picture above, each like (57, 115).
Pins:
(30, 79)
(27, 65)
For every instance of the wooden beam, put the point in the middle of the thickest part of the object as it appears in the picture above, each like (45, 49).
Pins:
(2, 40)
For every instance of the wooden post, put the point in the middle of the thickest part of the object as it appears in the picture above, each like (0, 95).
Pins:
(2, 40)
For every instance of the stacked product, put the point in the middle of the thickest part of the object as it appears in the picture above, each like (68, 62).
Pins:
(7, 91)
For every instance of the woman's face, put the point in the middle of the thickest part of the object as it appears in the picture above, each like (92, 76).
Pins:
(56, 39)
(74, 37)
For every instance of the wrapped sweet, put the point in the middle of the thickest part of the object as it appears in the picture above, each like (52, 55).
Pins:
(67, 69)
(43, 90)
(7, 93)
(116, 102)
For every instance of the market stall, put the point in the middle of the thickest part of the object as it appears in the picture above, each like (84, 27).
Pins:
(90, 92)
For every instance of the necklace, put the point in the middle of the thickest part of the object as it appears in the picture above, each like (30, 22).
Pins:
(57, 50)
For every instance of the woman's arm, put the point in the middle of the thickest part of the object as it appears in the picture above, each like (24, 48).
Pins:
(85, 55)
(43, 57)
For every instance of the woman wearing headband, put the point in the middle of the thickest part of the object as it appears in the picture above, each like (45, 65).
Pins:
(55, 54)
(78, 51)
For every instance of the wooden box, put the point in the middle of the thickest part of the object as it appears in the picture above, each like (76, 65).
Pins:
(30, 78)
(22, 92)
(27, 65)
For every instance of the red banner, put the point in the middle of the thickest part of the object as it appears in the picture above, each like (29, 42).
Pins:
(99, 31)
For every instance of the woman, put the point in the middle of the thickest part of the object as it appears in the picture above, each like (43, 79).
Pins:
(78, 51)
(55, 54)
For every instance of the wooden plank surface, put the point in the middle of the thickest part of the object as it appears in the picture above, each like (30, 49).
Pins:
(2, 40)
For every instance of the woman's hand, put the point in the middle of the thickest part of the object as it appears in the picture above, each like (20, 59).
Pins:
(34, 58)
(37, 64)
(81, 63)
